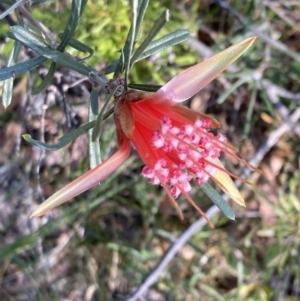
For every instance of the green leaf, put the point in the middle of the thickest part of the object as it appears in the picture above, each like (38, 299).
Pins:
(82, 5)
(217, 199)
(143, 87)
(8, 83)
(94, 146)
(160, 22)
(20, 68)
(39, 1)
(66, 139)
(125, 57)
(166, 41)
(62, 141)
(29, 40)
(46, 81)
(29, 37)
(80, 47)
(100, 118)
(128, 49)
(94, 103)
(76, 11)
(112, 67)
(121, 63)
(143, 4)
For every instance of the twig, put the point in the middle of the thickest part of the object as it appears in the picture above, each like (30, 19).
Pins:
(281, 91)
(196, 226)
(273, 91)
(276, 44)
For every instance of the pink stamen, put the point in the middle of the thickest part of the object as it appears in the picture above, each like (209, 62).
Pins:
(192, 145)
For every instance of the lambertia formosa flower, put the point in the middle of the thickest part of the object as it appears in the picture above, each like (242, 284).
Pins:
(176, 143)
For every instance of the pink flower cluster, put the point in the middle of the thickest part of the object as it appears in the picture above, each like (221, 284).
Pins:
(188, 152)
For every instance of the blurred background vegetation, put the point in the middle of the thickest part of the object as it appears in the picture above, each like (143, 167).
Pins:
(104, 244)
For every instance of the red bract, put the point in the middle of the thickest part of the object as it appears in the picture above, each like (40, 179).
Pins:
(175, 143)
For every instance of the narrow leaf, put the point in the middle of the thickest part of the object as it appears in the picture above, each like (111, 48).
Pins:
(94, 103)
(121, 65)
(64, 59)
(62, 141)
(166, 41)
(130, 39)
(112, 67)
(160, 22)
(143, 4)
(66, 139)
(100, 118)
(20, 68)
(217, 199)
(143, 87)
(39, 1)
(80, 47)
(46, 81)
(30, 37)
(128, 47)
(76, 11)
(8, 84)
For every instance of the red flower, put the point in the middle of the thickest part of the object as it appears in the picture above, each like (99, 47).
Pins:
(175, 143)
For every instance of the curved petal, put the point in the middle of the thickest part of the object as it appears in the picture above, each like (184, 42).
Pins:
(86, 181)
(224, 181)
(192, 80)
